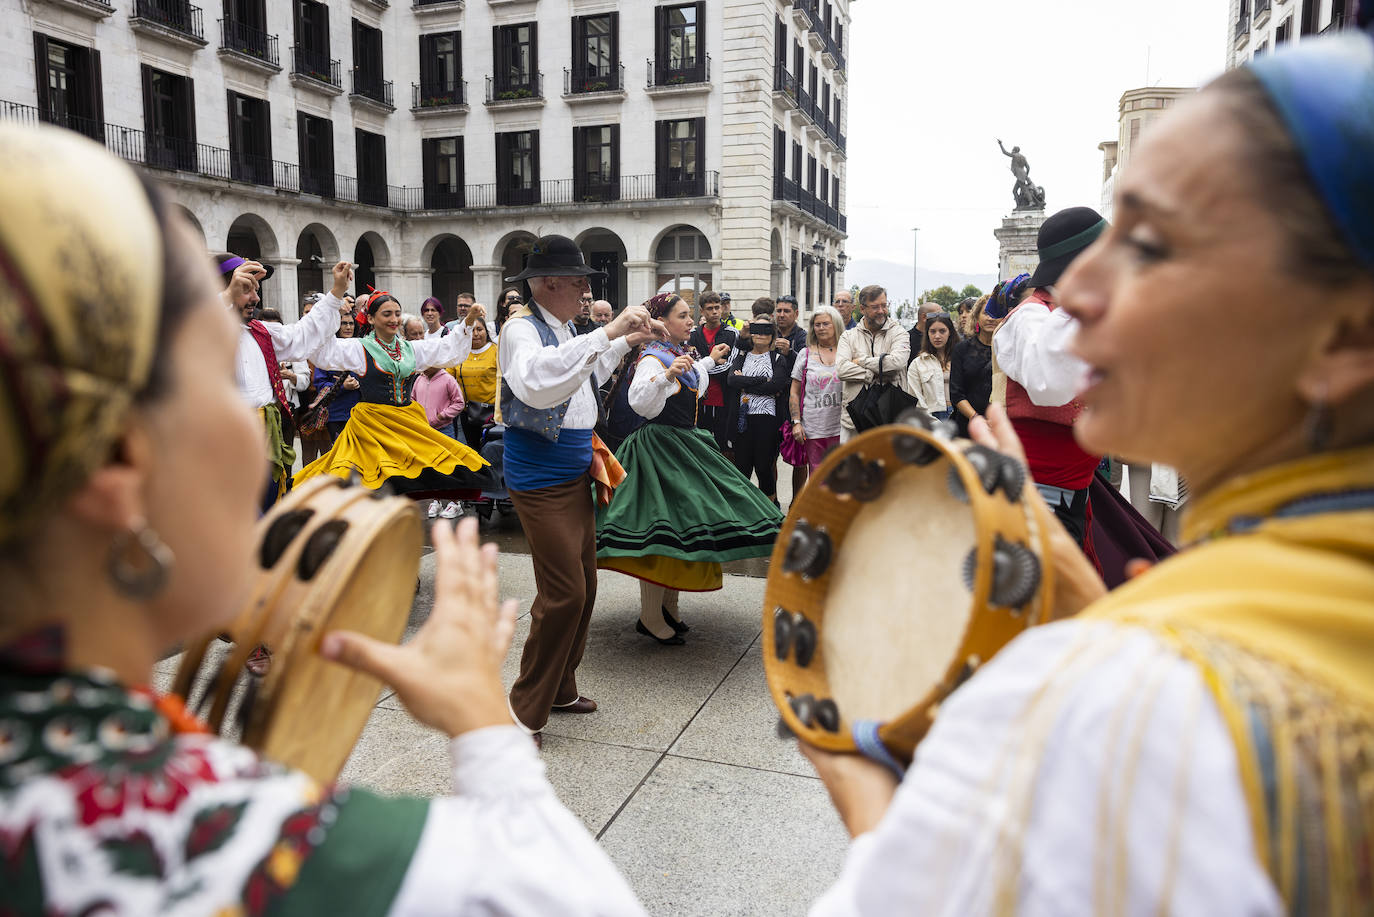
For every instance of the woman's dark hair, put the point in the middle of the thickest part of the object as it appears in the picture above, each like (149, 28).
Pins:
(1316, 249)
(941, 318)
(268, 315)
(182, 266)
(485, 327)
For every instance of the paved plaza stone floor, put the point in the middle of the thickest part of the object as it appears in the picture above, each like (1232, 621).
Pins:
(679, 774)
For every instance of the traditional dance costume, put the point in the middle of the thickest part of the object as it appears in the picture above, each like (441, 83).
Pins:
(388, 437)
(683, 508)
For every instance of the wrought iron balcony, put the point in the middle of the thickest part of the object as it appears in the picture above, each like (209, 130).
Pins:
(372, 87)
(584, 80)
(244, 39)
(316, 65)
(437, 94)
(513, 88)
(683, 71)
(176, 15)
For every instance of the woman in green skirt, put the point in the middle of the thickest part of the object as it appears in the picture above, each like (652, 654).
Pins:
(682, 508)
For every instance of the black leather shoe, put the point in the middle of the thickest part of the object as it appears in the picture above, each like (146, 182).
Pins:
(674, 640)
(679, 627)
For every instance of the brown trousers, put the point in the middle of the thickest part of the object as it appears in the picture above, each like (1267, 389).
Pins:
(560, 523)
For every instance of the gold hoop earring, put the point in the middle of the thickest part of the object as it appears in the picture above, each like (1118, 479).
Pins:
(139, 578)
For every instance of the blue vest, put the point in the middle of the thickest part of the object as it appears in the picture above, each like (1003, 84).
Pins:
(535, 457)
(515, 413)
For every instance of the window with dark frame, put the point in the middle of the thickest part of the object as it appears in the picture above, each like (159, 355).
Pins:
(825, 101)
(811, 175)
(823, 186)
(250, 139)
(835, 192)
(779, 161)
(516, 53)
(442, 163)
(441, 68)
(311, 50)
(169, 120)
(596, 53)
(245, 28)
(68, 82)
(797, 164)
(371, 157)
(681, 155)
(596, 163)
(315, 147)
(517, 168)
(368, 79)
(680, 44)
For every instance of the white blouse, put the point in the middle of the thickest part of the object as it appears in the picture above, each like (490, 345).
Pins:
(651, 387)
(504, 844)
(1032, 348)
(544, 377)
(348, 353)
(1085, 770)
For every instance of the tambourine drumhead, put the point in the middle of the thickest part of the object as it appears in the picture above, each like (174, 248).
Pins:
(901, 554)
(330, 557)
(907, 562)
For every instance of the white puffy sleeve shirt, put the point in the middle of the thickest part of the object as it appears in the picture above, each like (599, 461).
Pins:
(544, 377)
(1032, 348)
(290, 342)
(347, 353)
(1085, 770)
(503, 844)
(651, 387)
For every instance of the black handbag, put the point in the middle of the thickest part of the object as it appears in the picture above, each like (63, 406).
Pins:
(879, 403)
(478, 412)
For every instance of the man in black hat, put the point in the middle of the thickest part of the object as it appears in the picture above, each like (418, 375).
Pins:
(549, 403)
(1032, 348)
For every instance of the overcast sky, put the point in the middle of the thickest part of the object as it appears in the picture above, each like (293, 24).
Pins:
(933, 83)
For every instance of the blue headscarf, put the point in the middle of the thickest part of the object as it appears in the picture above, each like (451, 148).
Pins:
(1005, 296)
(1324, 92)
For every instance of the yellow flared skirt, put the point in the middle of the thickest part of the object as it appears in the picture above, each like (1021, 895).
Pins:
(672, 572)
(383, 441)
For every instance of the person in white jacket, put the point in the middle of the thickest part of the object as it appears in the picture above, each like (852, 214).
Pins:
(927, 377)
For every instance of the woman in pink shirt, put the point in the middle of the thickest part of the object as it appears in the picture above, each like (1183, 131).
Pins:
(442, 399)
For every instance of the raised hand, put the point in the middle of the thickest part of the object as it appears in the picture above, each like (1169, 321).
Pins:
(475, 311)
(720, 353)
(448, 675)
(343, 279)
(243, 285)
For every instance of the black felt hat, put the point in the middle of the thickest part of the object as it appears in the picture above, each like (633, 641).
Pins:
(1061, 239)
(555, 256)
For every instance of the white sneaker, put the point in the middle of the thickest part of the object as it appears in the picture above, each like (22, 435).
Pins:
(452, 511)
(433, 509)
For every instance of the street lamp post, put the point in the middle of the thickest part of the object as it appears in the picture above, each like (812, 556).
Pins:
(915, 289)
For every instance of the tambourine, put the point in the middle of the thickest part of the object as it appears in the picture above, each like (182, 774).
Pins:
(906, 563)
(330, 556)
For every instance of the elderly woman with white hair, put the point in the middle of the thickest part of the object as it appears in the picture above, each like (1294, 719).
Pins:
(816, 399)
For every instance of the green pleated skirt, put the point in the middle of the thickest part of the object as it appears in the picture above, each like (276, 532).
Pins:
(681, 511)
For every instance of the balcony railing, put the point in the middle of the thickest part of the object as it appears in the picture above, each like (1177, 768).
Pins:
(176, 15)
(811, 7)
(514, 89)
(832, 46)
(316, 65)
(438, 94)
(784, 82)
(593, 79)
(162, 152)
(245, 39)
(372, 86)
(681, 72)
(785, 189)
(317, 181)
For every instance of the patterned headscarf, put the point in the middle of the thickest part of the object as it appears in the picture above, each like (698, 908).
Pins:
(81, 258)
(660, 305)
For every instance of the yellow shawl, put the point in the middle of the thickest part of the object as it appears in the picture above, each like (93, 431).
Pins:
(1275, 605)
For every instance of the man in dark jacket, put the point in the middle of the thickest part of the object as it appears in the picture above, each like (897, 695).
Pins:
(708, 334)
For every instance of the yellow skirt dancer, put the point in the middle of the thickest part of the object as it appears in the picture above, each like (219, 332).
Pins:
(387, 439)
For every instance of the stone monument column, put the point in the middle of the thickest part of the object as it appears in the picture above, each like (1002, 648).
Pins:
(1016, 242)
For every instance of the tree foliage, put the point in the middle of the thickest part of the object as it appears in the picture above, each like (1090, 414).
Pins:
(970, 291)
(945, 295)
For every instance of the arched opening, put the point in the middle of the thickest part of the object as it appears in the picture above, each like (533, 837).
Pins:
(316, 253)
(365, 274)
(684, 263)
(195, 223)
(250, 237)
(451, 264)
(777, 267)
(605, 252)
(512, 253)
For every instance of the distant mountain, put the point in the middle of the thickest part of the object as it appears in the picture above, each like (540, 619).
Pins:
(896, 277)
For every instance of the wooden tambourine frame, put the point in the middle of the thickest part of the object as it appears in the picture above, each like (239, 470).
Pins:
(331, 556)
(1011, 548)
